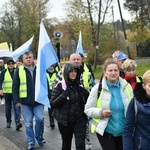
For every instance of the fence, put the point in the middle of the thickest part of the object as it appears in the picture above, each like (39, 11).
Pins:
(143, 60)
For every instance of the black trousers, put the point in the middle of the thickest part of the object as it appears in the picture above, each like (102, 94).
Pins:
(109, 142)
(51, 118)
(78, 129)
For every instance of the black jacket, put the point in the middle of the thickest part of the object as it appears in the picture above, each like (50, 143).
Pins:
(68, 98)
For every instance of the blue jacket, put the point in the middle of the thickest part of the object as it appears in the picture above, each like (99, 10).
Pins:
(136, 135)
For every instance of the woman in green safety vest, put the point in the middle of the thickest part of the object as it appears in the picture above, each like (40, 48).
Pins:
(109, 108)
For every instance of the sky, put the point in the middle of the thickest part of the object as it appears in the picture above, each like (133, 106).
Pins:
(57, 9)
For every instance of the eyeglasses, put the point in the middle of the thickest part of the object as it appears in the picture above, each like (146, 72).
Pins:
(10, 63)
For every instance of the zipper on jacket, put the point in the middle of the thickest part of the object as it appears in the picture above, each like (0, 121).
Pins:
(139, 146)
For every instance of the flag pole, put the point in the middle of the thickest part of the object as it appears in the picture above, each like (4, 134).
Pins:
(60, 67)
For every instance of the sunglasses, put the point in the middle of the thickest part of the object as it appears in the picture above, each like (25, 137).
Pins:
(10, 63)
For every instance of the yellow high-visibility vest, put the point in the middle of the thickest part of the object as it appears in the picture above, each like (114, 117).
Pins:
(51, 80)
(138, 80)
(95, 121)
(86, 77)
(23, 82)
(7, 83)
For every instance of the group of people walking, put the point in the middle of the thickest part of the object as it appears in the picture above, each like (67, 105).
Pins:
(23, 98)
(116, 109)
(119, 106)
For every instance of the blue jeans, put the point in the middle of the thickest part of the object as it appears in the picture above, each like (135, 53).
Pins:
(8, 106)
(29, 112)
(42, 129)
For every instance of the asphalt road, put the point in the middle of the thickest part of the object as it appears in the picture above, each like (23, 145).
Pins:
(10, 139)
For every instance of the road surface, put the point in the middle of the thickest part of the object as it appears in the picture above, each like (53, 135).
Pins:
(10, 139)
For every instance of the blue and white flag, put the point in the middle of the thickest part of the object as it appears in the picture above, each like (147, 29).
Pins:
(46, 57)
(22, 49)
(79, 46)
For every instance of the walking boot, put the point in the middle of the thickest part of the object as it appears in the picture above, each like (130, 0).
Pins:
(52, 125)
(18, 126)
(8, 125)
(51, 118)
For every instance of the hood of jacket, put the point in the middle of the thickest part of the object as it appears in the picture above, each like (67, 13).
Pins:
(69, 67)
(144, 108)
(140, 94)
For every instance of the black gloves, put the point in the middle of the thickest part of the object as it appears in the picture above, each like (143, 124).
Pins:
(65, 93)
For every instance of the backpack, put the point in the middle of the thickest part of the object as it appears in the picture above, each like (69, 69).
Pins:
(99, 89)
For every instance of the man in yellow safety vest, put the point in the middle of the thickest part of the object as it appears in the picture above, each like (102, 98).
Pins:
(6, 79)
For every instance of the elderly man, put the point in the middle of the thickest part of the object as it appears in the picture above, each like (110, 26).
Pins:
(86, 76)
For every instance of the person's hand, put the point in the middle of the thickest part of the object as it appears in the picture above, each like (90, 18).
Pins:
(106, 113)
(1, 93)
(18, 104)
(65, 93)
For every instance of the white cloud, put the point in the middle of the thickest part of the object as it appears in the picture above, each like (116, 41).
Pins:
(57, 9)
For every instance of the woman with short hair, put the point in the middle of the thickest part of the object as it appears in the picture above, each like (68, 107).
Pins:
(108, 108)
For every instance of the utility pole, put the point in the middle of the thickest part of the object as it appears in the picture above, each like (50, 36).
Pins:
(58, 49)
(127, 44)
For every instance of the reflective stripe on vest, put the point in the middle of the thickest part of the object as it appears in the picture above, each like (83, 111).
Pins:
(5, 66)
(138, 80)
(86, 77)
(95, 121)
(51, 80)
(57, 68)
(23, 82)
(7, 84)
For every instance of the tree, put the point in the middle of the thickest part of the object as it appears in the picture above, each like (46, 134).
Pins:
(89, 15)
(140, 25)
(140, 8)
(20, 20)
